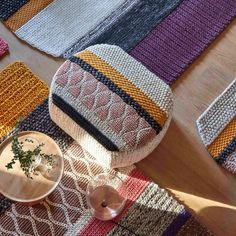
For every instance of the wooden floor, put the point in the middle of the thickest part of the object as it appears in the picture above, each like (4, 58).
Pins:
(180, 163)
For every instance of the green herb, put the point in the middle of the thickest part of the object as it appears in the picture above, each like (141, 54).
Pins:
(27, 158)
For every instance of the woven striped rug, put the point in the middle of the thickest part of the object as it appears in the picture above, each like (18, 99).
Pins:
(149, 209)
(165, 35)
(217, 128)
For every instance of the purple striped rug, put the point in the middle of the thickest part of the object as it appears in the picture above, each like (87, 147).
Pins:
(165, 35)
(173, 45)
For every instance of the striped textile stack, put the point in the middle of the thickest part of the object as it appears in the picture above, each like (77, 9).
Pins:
(165, 35)
(217, 128)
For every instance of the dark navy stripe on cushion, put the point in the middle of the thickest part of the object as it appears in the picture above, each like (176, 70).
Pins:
(84, 123)
(9, 7)
(121, 93)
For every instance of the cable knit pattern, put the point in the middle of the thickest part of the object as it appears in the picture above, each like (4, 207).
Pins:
(14, 79)
(70, 94)
(107, 106)
(3, 47)
(65, 211)
(92, 106)
(124, 83)
(217, 128)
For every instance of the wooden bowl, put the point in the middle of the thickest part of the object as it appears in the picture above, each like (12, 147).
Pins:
(13, 182)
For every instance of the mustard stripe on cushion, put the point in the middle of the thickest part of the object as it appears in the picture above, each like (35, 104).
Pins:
(223, 139)
(122, 82)
(137, 73)
(120, 92)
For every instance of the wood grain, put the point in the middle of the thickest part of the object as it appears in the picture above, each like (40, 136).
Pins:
(181, 164)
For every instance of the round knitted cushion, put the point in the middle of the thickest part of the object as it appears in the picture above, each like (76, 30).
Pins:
(111, 105)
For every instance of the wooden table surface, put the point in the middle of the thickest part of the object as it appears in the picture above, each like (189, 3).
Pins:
(180, 164)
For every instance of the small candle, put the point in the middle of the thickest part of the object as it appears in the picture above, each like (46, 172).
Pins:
(105, 202)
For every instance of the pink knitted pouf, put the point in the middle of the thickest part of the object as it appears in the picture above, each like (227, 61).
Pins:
(111, 105)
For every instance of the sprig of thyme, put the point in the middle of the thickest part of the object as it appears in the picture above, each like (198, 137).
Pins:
(26, 158)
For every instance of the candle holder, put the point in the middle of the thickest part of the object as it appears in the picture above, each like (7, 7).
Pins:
(106, 196)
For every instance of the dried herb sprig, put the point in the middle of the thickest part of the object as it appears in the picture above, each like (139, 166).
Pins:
(27, 158)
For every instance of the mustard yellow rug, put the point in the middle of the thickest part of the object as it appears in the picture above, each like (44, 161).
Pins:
(20, 92)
